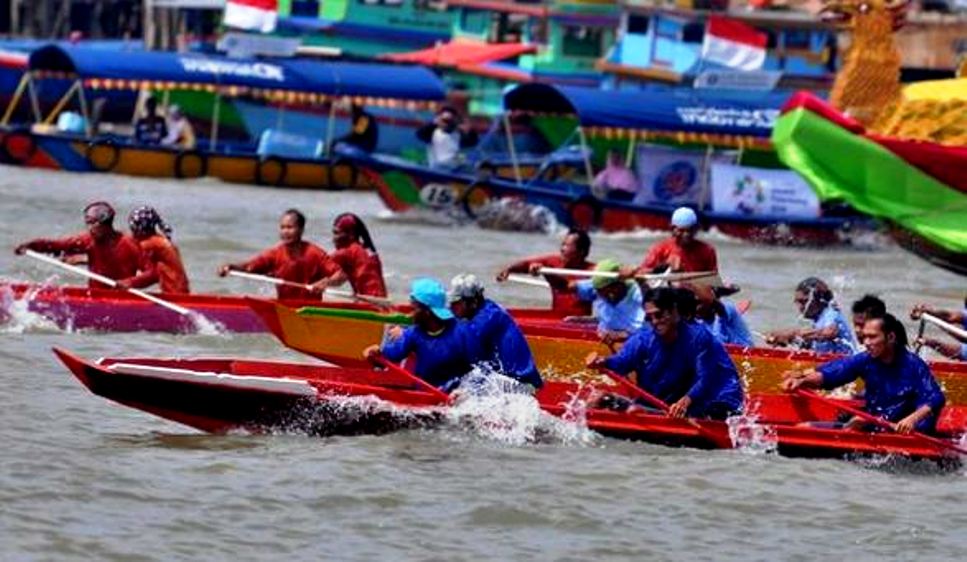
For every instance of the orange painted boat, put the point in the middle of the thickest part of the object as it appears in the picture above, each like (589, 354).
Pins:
(222, 395)
(559, 350)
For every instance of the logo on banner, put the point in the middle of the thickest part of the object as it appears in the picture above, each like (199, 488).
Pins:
(750, 194)
(675, 180)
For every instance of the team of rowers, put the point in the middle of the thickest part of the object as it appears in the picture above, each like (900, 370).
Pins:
(673, 337)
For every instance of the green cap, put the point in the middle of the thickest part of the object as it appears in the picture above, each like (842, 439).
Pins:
(609, 265)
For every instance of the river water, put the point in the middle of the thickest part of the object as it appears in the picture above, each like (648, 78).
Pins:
(83, 478)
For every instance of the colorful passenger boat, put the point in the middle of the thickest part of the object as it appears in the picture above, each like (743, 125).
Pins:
(223, 395)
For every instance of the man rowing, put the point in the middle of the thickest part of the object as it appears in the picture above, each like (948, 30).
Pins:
(949, 349)
(869, 306)
(721, 316)
(294, 260)
(829, 332)
(899, 386)
(443, 349)
(681, 252)
(575, 248)
(680, 362)
(616, 303)
(160, 258)
(356, 254)
(108, 252)
(498, 339)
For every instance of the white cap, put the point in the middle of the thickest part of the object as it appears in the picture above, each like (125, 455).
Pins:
(465, 286)
(684, 217)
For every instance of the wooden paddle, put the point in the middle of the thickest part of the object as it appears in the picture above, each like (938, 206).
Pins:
(661, 405)
(383, 362)
(527, 280)
(877, 420)
(955, 331)
(379, 301)
(712, 276)
(109, 282)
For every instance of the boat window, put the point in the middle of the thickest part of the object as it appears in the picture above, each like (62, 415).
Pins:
(693, 32)
(537, 31)
(583, 41)
(638, 24)
(771, 41)
(393, 3)
(428, 5)
(796, 38)
(308, 8)
(507, 28)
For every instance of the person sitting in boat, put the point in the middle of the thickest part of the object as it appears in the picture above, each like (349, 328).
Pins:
(294, 260)
(899, 386)
(949, 349)
(108, 252)
(445, 137)
(616, 303)
(616, 180)
(180, 132)
(364, 132)
(442, 347)
(829, 333)
(721, 316)
(678, 361)
(499, 339)
(160, 258)
(681, 252)
(356, 254)
(575, 248)
(869, 306)
(151, 127)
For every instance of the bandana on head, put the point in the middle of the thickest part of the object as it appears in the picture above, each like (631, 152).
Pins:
(346, 222)
(99, 212)
(146, 220)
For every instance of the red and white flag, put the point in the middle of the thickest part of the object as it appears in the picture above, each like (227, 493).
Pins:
(734, 44)
(252, 15)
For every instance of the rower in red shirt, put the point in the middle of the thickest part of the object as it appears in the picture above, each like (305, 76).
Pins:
(574, 255)
(160, 258)
(108, 252)
(356, 255)
(679, 253)
(293, 260)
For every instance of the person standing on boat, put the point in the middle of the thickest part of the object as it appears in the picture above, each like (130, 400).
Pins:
(682, 252)
(294, 260)
(151, 128)
(499, 339)
(721, 317)
(575, 248)
(678, 361)
(356, 254)
(180, 132)
(616, 303)
(108, 252)
(364, 132)
(830, 333)
(899, 386)
(443, 350)
(616, 180)
(951, 350)
(160, 258)
(445, 137)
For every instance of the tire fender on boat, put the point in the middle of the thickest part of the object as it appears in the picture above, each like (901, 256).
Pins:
(266, 174)
(190, 164)
(19, 146)
(473, 198)
(584, 212)
(103, 155)
(351, 172)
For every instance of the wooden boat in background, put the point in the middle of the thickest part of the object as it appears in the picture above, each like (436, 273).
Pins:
(221, 395)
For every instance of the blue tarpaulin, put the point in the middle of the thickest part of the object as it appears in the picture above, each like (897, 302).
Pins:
(715, 112)
(294, 75)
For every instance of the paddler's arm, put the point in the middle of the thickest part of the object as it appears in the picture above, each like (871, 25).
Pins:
(526, 265)
(952, 316)
(909, 423)
(950, 350)
(930, 399)
(70, 245)
(261, 263)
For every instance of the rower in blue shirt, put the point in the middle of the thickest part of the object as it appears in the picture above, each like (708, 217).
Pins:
(443, 349)
(899, 385)
(721, 317)
(679, 362)
(830, 333)
(616, 303)
(497, 338)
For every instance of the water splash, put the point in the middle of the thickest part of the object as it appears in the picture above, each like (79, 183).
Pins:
(749, 436)
(204, 326)
(16, 316)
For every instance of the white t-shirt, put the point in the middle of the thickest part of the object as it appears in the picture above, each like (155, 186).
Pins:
(444, 148)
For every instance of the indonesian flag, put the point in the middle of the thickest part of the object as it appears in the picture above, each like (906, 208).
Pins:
(734, 44)
(253, 15)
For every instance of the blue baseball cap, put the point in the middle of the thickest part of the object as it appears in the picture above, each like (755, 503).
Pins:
(431, 294)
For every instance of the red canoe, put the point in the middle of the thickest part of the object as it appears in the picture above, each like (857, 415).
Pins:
(220, 395)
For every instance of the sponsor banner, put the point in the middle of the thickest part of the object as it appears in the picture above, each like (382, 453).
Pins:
(243, 45)
(669, 176)
(726, 80)
(761, 192)
(260, 70)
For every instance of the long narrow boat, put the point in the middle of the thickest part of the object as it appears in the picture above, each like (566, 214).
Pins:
(221, 395)
(340, 336)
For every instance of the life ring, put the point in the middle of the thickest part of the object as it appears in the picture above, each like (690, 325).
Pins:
(473, 198)
(103, 155)
(333, 174)
(190, 164)
(271, 170)
(585, 212)
(19, 146)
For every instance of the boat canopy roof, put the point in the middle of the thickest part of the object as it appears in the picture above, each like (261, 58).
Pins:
(289, 79)
(727, 117)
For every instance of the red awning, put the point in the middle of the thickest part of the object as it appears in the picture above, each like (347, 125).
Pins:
(463, 53)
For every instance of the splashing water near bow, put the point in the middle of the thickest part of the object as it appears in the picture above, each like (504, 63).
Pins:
(751, 437)
(16, 316)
